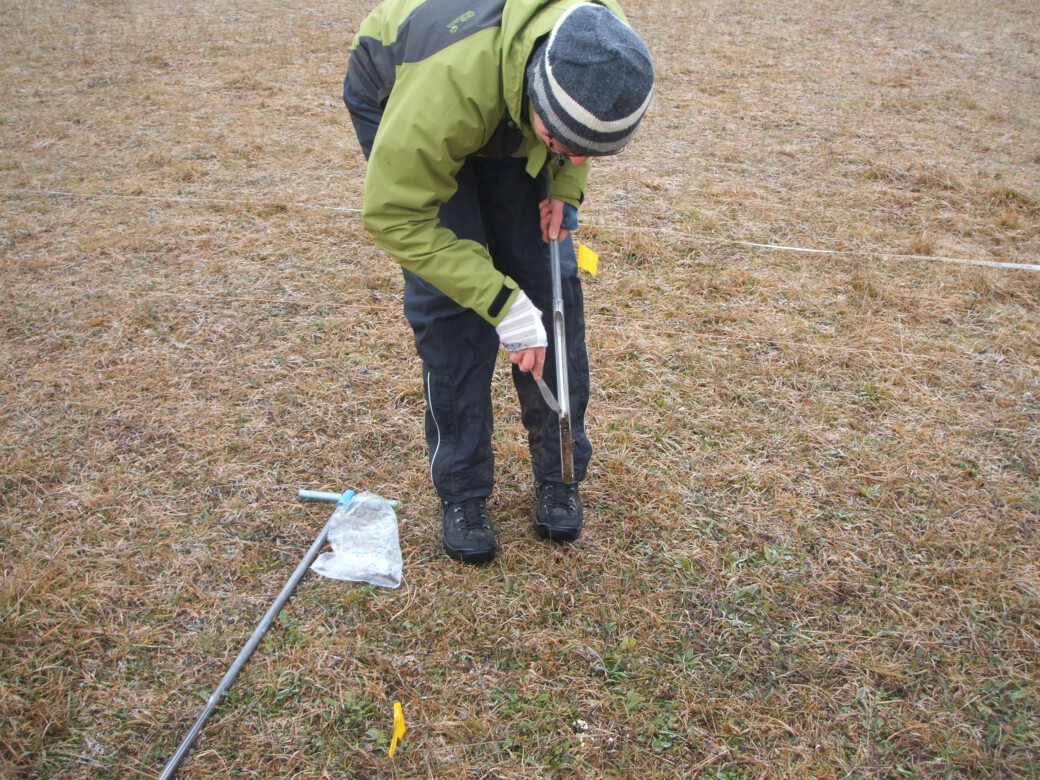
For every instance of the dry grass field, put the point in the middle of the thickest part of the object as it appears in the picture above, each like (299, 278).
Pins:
(812, 539)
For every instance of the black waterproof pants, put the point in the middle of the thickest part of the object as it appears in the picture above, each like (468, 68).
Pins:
(496, 205)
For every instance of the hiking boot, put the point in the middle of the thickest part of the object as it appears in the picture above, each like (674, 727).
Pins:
(559, 514)
(466, 532)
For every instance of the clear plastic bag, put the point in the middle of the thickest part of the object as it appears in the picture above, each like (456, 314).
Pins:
(365, 545)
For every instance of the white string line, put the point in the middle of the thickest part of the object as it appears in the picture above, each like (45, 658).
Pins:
(684, 234)
(936, 258)
(834, 252)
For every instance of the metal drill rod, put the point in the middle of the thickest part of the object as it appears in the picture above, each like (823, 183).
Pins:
(254, 640)
(563, 394)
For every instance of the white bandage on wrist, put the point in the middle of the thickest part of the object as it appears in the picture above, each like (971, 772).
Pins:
(522, 327)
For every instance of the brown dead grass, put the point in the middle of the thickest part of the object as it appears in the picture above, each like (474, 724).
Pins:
(811, 547)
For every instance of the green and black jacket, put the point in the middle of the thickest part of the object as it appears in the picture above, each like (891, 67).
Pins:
(449, 75)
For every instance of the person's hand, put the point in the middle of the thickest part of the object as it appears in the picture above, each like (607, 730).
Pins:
(532, 360)
(523, 335)
(552, 220)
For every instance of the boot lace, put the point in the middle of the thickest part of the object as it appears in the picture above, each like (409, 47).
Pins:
(558, 495)
(470, 516)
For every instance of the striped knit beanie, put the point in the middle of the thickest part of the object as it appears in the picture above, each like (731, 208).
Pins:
(591, 81)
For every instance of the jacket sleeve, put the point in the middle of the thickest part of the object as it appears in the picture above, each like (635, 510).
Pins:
(567, 182)
(425, 135)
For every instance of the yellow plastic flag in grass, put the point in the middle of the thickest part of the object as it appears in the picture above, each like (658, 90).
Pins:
(587, 259)
(399, 727)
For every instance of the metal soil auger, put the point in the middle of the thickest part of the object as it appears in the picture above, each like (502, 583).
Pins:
(350, 507)
(561, 404)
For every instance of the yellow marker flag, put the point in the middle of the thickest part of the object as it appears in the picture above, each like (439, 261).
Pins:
(587, 259)
(399, 727)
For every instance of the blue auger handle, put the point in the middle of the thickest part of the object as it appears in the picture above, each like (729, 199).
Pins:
(332, 498)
